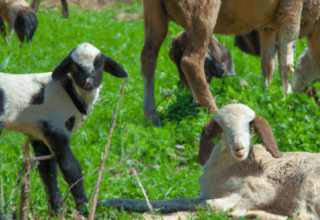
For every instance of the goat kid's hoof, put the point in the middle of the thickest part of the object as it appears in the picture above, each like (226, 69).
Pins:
(83, 209)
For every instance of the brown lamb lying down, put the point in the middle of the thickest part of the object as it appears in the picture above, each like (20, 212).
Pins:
(252, 180)
(218, 60)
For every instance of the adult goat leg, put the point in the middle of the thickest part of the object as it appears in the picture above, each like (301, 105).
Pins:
(192, 64)
(48, 170)
(268, 51)
(288, 31)
(199, 29)
(65, 10)
(156, 28)
(314, 43)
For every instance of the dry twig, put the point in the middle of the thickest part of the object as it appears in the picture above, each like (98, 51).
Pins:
(103, 162)
(25, 189)
(2, 199)
(144, 193)
(64, 198)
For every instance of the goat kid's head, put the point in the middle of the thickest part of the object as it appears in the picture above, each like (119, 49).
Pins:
(86, 64)
(236, 124)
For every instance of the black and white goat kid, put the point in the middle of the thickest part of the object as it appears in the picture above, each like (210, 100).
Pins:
(50, 107)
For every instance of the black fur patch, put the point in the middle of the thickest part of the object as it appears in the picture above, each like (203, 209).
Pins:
(38, 98)
(2, 28)
(2, 102)
(70, 123)
(25, 25)
(1, 127)
(77, 101)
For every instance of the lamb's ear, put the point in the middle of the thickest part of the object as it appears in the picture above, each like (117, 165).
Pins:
(210, 131)
(25, 24)
(62, 69)
(262, 128)
(35, 5)
(114, 68)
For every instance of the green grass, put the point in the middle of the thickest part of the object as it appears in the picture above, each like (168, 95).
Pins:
(165, 172)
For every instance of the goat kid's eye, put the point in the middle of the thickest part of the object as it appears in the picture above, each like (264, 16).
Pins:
(74, 69)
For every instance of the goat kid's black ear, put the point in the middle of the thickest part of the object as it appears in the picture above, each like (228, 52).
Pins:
(25, 24)
(114, 68)
(209, 132)
(62, 69)
(262, 128)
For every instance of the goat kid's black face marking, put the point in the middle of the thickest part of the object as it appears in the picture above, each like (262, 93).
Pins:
(38, 98)
(88, 78)
(70, 123)
(25, 24)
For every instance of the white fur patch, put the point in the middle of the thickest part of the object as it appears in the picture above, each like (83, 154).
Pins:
(85, 54)
(234, 120)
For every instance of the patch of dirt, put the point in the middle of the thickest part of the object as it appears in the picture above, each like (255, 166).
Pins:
(96, 5)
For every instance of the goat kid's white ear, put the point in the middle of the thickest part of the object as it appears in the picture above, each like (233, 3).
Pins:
(114, 68)
(35, 5)
(62, 69)
(262, 128)
(209, 132)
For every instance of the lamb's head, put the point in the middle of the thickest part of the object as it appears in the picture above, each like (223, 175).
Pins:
(86, 64)
(235, 123)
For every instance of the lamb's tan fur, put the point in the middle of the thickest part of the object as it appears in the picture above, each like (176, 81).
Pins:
(200, 19)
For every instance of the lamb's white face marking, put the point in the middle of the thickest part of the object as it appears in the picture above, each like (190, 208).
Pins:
(85, 55)
(234, 120)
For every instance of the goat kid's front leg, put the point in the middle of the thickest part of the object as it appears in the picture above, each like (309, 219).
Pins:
(68, 164)
(156, 28)
(48, 170)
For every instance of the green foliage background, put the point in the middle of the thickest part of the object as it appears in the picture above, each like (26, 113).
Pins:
(165, 172)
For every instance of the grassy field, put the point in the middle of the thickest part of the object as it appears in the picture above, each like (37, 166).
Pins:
(165, 172)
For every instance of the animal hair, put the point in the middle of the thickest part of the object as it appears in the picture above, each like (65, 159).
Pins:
(49, 107)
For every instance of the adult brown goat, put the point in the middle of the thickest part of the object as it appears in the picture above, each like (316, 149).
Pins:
(64, 4)
(282, 18)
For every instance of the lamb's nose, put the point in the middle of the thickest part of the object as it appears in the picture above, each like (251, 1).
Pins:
(89, 84)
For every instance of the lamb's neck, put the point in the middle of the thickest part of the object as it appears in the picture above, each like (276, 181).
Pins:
(220, 158)
(89, 98)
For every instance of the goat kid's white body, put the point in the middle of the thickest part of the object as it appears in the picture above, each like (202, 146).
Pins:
(20, 115)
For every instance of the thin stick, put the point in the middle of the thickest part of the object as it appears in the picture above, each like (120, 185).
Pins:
(2, 197)
(25, 189)
(103, 162)
(41, 158)
(144, 193)
(61, 203)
